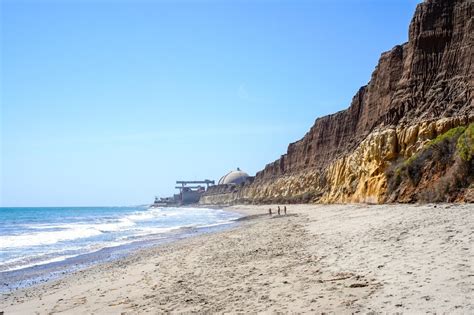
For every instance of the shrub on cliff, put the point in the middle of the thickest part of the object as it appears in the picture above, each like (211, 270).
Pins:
(465, 144)
(448, 136)
(436, 154)
(438, 171)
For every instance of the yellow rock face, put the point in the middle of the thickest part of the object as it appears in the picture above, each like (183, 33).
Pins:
(368, 163)
(357, 177)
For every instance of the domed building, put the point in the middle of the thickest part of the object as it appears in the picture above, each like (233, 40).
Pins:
(233, 178)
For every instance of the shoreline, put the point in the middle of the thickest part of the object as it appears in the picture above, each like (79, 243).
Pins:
(340, 258)
(43, 273)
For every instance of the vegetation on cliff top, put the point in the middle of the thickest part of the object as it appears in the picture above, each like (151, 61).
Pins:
(443, 167)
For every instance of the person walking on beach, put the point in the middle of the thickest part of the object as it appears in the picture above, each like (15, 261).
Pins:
(270, 211)
(278, 210)
(284, 210)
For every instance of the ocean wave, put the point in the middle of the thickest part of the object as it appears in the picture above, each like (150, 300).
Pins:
(142, 233)
(216, 224)
(52, 256)
(129, 226)
(113, 226)
(48, 234)
(46, 238)
(154, 213)
(18, 266)
(27, 260)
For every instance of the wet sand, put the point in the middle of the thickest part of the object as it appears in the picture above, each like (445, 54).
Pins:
(319, 258)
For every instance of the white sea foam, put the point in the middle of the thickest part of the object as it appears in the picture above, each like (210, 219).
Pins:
(145, 233)
(67, 232)
(154, 213)
(47, 238)
(75, 231)
(130, 226)
(46, 258)
(37, 263)
(216, 224)
(113, 226)
(141, 216)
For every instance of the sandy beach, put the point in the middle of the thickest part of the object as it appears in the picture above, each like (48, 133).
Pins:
(318, 258)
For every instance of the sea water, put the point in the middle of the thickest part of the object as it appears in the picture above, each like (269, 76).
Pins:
(35, 237)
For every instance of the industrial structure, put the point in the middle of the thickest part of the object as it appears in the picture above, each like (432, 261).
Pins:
(192, 194)
(190, 191)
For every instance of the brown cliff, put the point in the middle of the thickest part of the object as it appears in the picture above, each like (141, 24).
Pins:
(417, 91)
(428, 77)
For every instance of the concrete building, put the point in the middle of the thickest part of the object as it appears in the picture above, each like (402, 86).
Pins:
(234, 178)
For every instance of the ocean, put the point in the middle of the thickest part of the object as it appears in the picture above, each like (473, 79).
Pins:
(37, 244)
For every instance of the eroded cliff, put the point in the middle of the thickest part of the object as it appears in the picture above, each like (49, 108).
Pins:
(417, 91)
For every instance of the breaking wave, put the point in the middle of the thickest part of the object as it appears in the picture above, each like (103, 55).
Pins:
(43, 235)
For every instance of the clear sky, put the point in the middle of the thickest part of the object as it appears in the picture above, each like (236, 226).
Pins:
(110, 102)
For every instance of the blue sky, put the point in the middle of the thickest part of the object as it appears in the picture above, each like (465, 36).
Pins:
(109, 102)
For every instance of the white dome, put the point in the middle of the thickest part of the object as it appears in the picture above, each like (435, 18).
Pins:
(233, 177)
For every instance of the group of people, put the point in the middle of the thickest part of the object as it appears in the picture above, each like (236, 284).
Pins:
(278, 210)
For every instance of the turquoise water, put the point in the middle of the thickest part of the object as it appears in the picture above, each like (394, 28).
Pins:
(38, 236)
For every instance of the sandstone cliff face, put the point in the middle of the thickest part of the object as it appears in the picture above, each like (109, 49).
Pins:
(417, 90)
(428, 77)
(360, 176)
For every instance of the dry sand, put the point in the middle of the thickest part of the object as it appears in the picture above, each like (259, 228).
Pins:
(337, 258)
